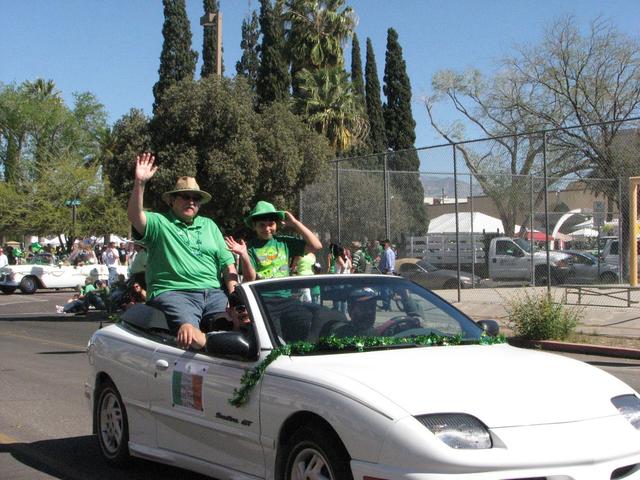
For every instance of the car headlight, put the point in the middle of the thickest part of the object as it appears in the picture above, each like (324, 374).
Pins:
(458, 430)
(629, 408)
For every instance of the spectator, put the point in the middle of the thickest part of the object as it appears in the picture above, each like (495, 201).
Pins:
(388, 259)
(4, 260)
(122, 254)
(270, 255)
(110, 258)
(138, 264)
(359, 261)
(186, 254)
(135, 294)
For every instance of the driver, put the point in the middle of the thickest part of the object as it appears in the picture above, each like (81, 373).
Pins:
(361, 306)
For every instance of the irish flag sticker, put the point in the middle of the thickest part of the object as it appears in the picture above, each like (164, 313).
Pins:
(186, 386)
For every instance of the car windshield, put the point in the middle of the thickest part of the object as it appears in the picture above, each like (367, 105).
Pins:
(41, 259)
(426, 266)
(320, 306)
(524, 244)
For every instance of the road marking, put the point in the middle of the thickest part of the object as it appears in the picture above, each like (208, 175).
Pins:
(7, 302)
(6, 439)
(42, 340)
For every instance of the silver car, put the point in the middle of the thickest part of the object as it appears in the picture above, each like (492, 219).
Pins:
(431, 277)
(585, 268)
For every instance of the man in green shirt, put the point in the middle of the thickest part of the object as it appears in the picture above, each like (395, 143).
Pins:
(185, 255)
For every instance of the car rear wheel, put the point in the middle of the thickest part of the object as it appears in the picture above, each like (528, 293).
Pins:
(28, 285)
(113, 426)
(314, 453)
(8, 290)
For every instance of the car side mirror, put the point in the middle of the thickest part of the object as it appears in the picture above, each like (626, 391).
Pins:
(232, 344)
(491, 327)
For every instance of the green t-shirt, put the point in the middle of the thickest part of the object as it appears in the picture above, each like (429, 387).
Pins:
(181, 256)
(271, 258)
(89, 287)
(305, 264)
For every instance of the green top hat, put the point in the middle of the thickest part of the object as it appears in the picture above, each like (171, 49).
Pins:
(261, 209)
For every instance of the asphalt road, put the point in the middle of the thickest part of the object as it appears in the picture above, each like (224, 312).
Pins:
(45, 423)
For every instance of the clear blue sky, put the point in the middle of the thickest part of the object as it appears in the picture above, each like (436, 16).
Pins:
(112, 48)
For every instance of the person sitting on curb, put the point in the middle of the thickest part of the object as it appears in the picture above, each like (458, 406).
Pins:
(185, 255)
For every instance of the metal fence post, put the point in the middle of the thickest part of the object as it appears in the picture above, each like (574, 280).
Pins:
(620, 249)
(531, 222)
(546, 209)
(455, 193)
(385, 175)
(473, 243)
(339, 232)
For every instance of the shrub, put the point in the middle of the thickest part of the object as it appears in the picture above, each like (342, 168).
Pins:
(537, 317)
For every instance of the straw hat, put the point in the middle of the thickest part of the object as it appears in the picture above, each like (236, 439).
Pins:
(187, 185)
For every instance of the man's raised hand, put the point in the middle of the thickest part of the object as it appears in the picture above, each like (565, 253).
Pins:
(145, 168)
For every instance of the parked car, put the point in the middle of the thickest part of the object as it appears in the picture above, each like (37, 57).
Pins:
(610, 253)
(43, 270)
(586, 268)
(298, 396)
(429, 276)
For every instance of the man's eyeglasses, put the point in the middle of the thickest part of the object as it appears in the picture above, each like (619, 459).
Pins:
(186, 196)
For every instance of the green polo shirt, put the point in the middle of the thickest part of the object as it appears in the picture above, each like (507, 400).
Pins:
(181, 256)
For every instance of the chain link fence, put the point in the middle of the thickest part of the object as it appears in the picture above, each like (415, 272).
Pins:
(539, 209)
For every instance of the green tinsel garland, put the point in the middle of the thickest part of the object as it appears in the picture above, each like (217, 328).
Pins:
(252, 376)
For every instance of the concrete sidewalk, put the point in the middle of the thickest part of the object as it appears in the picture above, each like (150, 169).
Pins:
(606, 321)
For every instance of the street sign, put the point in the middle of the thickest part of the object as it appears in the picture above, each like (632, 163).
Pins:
(72, 203)
(598, 214)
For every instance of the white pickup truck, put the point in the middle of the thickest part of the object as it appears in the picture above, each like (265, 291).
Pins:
(511, 259)
(506, 259)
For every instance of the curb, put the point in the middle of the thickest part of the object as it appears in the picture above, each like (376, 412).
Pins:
(585, 348)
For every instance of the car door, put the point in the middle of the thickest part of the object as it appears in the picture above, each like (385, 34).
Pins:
(190, 395)
(584, 270)
(506, 262)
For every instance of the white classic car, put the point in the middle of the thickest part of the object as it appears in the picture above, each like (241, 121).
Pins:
(400, 386)
(45, 271)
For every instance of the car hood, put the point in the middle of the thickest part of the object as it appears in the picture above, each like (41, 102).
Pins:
(499, 384)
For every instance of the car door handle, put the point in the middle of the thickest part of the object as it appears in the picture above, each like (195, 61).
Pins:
(162, 364)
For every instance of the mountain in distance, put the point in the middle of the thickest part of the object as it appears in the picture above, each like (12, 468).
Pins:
(435, 186)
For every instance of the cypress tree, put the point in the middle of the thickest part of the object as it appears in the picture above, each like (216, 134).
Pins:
(249, 63)
(177, 60)
(210, 41)
(273, 78)
(356, 70)
(398, 119)
(377, 133)
(400, 128)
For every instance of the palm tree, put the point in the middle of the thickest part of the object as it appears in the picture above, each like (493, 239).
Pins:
(318, 30)
(329, 105)
(42, 88)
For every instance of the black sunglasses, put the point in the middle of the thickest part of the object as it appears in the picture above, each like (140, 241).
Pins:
(186, 196)
(240, 309)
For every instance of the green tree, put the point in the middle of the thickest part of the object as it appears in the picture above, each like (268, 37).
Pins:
(356, 71)
(210, 41)
(177, 60)
(131, 135)
(273, 81)
(317, 32)
(328, 104)
(37, 129)
(209, 129)
(377, 135)
(400, 130)
(249, 63)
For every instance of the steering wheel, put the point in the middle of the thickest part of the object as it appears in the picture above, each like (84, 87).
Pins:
(398, 324)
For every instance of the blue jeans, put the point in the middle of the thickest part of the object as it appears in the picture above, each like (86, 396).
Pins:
(190, 306)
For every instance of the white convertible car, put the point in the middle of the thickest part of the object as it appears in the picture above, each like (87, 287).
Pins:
(45, 271)
(375, 379)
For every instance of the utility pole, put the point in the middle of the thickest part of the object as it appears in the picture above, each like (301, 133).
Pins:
(209, 20)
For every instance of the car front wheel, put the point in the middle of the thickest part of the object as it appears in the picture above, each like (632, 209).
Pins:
(113, 427)
(315, 453)
(28, 285)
